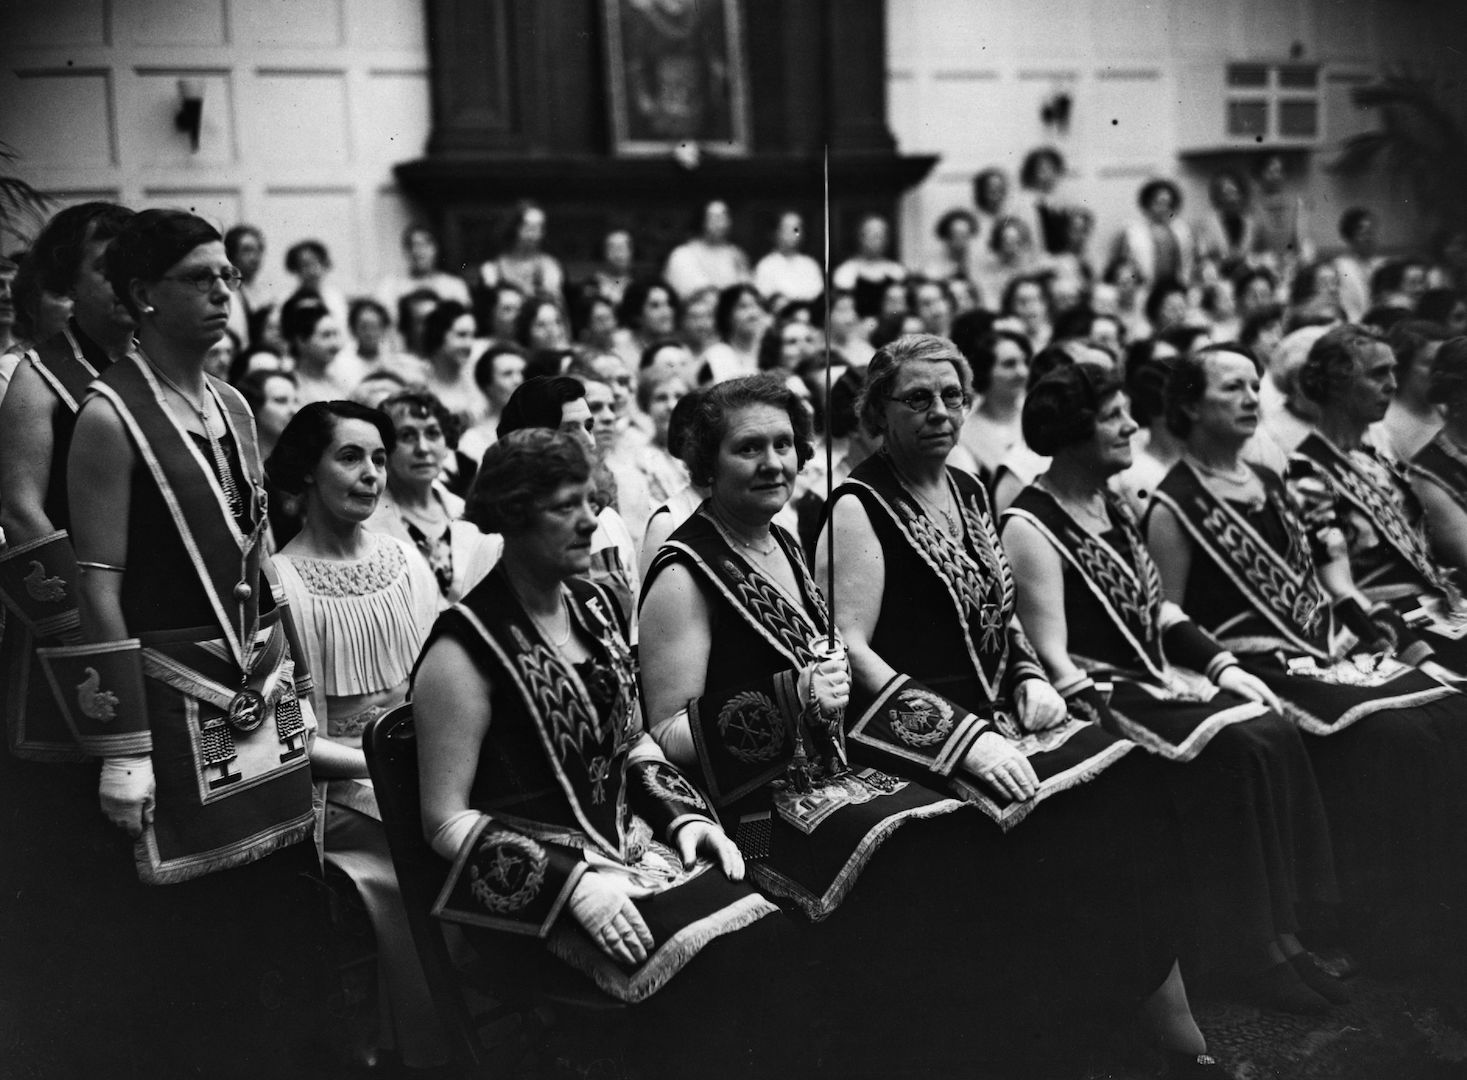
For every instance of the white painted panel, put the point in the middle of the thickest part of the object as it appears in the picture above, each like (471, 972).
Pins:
(297, 23)
(1342, 118)
(58, 117)
(173, 22)
(387, 24)
(58, 22)
(973, 119)
(394, 116)
(1124, 116)
(1049, 28)
(390, 214)
(299, 118)
(220, 208)
(1129, 29)
(1270, 28)
(152, 137)
(1204, 28)
(292, 214)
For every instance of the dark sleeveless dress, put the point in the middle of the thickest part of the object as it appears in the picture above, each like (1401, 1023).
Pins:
(722, 989)
(1254, 830)
(1104, 830)
(929, 929)
(1387, 743)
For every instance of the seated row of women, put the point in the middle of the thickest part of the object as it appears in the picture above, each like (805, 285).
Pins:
(906, 809)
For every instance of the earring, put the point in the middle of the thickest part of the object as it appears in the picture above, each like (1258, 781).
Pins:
(148, 309)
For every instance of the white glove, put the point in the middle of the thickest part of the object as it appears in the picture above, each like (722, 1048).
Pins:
(703, 837)
(831, 681)
(1040, 706)
(998, 763)
(1247, 685)
(600, 904)
(448, 841)
(126, 792)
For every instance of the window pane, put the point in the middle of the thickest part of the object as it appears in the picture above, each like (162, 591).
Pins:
(1247, 75)
(1247, 118)
(1298, 119)
(1298, 78)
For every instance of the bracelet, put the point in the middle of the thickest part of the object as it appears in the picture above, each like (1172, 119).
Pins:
(812, 706)
(83, 564)
(1075, 683)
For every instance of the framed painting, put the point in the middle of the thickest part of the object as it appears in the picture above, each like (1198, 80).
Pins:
(676, 74)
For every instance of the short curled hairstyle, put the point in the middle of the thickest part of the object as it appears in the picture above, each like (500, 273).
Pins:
(251, 386)
(310, 431)
(885, 367)
(299, 316)
(1029, 171)
(519, 472)
(1330, 368)
(1187, 383)
(54, 259)
(1448, 381)
(952, 217)
(635, 297)
(984, 355)
(539, 402)
(439, 322)
(421, 404)
(298, 251)
(360, 307)
(484, 366)
(1146, 381)
(1062, 408)
(530, 310)
(149, 245)
(728, 300)
(712, 409)
(1152, 188)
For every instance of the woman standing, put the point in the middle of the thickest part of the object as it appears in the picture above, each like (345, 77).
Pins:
(522, 263)
(1091, 600)
(741, 318)
(416, 507)
(187, 685)
(1234, 556)
(362, 604)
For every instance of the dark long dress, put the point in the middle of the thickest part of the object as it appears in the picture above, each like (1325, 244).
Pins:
(561, 786)
(1099, 823)
(1254, 829)
(226, 938)
(933, 928)
(1388, 744)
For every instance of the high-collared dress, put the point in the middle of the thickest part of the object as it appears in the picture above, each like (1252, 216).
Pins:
(1387, 742)
(1255, 836)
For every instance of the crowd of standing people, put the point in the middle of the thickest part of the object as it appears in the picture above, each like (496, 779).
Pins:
(1119, 647)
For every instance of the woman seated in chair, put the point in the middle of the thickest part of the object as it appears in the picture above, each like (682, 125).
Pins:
(1255, 838)
(362, 603)
(1387, 742)
(899, 878)
(565, 825)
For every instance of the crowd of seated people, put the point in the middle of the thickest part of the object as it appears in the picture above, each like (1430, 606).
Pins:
(1116, 545)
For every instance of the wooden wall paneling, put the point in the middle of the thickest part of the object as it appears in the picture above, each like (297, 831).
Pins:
(962, 109)
(299, 117)
(565, 111)
(1343, 29)
(387, 24)
(476, 100)
(221, 207)
(67, 23)
(1124, 112)
(294, 24)
(62, 117)
(1123, 31)
(855, 59)
(155, 23)
(394, 114)
(327, 214)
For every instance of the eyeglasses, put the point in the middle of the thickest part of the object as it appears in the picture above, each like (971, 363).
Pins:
(203, 280)
(921, 401)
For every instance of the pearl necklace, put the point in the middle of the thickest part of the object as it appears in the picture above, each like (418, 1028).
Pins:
(1238, 477)
(557, 643)
(729, 533)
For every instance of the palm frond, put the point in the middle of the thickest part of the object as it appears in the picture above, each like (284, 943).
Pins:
(19, 201)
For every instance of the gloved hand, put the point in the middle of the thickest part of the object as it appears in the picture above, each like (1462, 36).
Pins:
(998, 763)
(126, 792)
(1039, 705)
(696, 838)
(600, 904)
(831, 683)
